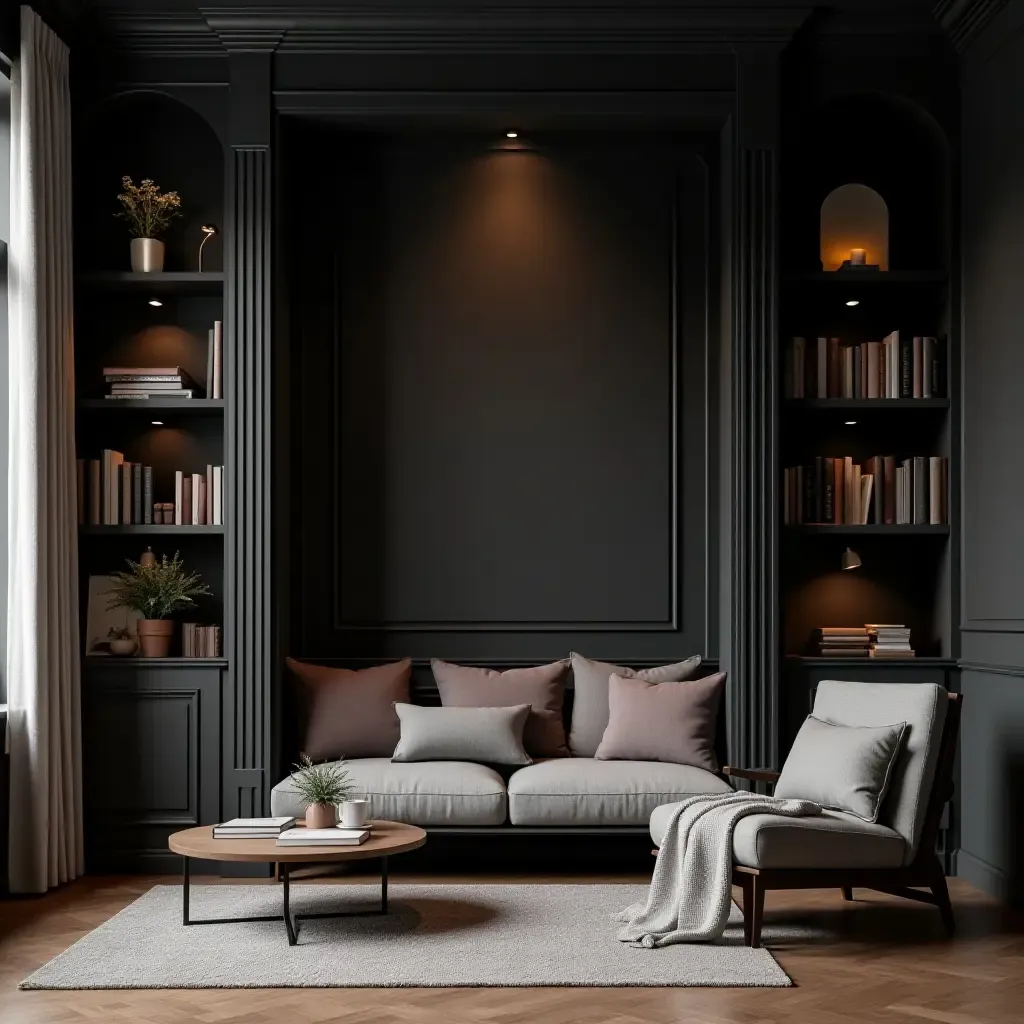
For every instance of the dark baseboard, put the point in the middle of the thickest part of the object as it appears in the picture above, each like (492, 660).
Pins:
(982, 875)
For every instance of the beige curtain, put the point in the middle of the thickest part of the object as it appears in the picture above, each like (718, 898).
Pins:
(43, 677)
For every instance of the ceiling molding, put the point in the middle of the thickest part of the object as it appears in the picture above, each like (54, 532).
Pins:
(964, 19)
(508, 27)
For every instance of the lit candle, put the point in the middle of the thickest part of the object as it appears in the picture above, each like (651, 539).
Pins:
(858, 257)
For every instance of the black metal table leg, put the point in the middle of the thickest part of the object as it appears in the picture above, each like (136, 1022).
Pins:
(184, 891)
(292, 929)
(383, 885)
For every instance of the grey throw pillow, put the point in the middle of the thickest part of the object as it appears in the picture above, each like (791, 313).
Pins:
(842, 767)
(590, 695)
(485, 735)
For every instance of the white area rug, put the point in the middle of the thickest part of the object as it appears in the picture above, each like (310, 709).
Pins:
(435, 936)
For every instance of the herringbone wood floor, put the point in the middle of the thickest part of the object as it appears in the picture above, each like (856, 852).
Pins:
(886, 962)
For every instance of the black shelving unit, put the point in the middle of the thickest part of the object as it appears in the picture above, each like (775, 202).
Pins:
(871, 529)
(167, 282)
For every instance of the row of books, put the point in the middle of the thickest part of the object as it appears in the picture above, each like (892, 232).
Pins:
(200, 641)
(874, 640)
(135, 382)
(890, 368)
(115, 492)
(199, 497)
(838, 491)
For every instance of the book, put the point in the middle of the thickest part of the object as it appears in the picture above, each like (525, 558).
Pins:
(136, 372)
(168, 384)
(186, 500)
(218, 495)
(323, 837)
(95, 493)
(80, 493)
(209, 363)
(218, 358)
(179, 497)
(821, 364)
(252, 828)
(136, 396)
(197, 515)
(147, 494)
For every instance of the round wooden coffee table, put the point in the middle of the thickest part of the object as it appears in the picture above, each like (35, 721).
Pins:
(387, 838)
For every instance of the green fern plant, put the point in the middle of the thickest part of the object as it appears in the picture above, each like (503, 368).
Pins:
(326, 783)
(158, 590)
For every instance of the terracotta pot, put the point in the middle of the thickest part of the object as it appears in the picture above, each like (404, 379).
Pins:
(321, 816)
(155, 637)
(147, 255)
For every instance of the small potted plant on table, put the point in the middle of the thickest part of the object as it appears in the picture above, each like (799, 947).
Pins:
(156, 590)
(148, 212)
(322, 787)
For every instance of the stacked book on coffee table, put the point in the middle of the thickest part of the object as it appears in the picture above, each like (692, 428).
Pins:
(252, 828)
(890, 640)
(842, 641)
(323, 837)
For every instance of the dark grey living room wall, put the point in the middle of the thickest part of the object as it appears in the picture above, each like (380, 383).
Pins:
(992, 745)
(501, 390)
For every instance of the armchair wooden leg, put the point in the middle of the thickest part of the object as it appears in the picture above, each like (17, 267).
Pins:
(941, 893)
(747, 906)
(753, 911)
(848, 893)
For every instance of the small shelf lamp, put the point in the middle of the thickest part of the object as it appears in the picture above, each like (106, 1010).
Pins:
(851, 560)
(208, 230)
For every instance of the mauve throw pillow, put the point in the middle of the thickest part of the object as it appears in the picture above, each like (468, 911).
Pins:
(590, 695)
(662, 721)
(542, 687)
(348, 712)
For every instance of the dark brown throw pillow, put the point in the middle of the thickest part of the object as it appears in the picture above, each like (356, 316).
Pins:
(542, 687)
(663, 721)
(349, 712)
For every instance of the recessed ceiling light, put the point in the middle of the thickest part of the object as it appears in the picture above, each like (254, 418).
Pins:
(511, 135)
(155, 302)
(851, 423)
(158, 423)
(853, 302)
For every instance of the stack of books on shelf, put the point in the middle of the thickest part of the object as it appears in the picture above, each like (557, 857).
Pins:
(252, 828)
(842, 641)
(889, 640)
(323, 837)
(200, 641)
(890, 368)
(134, 382)
(199, 497)
(838, 491)
(115, 492)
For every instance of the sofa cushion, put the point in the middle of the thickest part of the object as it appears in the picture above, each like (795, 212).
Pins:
(830, 840)
(541, 686)
(425, 793)
(662, 721)
(590, 695)
(488, 735)
(584, 791)
(348, 712)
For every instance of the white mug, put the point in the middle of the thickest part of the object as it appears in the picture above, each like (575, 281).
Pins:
(354, 813)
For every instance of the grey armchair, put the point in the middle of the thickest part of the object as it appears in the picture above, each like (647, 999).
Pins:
(895, 855)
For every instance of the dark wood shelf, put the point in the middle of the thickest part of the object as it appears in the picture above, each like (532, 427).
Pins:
(168, 282)
(865, 404)
(201, 406)
(112, 531)
(901, 529)
(110, 660)
(810, 659)
(868, 278)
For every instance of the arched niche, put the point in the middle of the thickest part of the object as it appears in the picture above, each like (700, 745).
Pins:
(147, 134)
(853, 216)
(886, 143)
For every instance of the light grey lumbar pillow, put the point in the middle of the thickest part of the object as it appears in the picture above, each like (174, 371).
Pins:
(590, 695)
(842, 767)
(486, 735)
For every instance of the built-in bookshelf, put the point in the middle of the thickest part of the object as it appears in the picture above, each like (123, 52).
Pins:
(868, 399)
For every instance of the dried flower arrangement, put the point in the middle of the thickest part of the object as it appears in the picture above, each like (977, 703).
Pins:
(147, 210)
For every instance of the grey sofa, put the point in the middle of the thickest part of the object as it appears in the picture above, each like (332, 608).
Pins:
(560, 794)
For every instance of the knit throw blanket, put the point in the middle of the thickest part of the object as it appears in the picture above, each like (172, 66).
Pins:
(691, 890)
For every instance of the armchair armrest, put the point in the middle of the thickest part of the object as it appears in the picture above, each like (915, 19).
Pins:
(753, 774)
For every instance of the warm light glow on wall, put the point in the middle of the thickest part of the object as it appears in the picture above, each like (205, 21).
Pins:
(854, 217)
